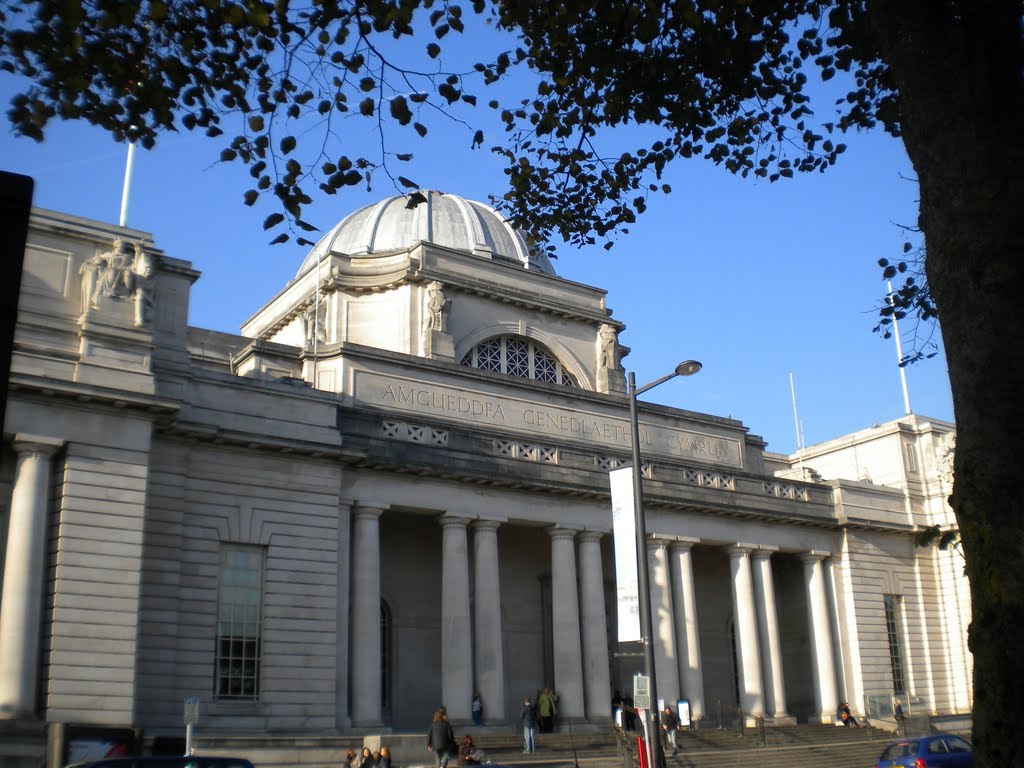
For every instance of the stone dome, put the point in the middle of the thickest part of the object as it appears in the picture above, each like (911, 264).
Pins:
(446, 220)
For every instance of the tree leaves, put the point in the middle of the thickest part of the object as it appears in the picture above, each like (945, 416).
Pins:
(723, 81)
(268, 80)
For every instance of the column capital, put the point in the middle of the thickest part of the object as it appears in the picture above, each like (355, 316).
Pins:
(358, 510)
(562, 532)
(763, 553)
(485, 525)
(813, 556)
(453, 521)
(590, 536)
(36, 445)
(655, 543)
(739, 550)
(682, 544)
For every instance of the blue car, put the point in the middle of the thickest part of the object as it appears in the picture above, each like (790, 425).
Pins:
(940, 750)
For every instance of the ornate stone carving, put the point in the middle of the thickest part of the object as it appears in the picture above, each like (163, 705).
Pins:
(313, 324)
(143, 269)
(119, 275)
(945, 449)
(437, 308)
(608, 355)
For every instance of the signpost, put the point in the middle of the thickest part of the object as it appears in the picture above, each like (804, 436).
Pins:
(642, 691)
(191, 718)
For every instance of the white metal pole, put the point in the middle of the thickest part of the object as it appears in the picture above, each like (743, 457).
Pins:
(127, 184)
(316, 319)
(796, 426)
(899, 352)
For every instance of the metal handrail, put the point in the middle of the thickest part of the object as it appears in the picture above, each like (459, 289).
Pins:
(759, 724)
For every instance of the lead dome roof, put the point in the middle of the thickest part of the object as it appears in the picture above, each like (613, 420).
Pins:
(443, 219)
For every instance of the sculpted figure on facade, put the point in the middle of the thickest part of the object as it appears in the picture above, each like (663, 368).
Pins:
(120, 275)
(945, 450)
(608, 357)
(142, 277)
(90, 272)
(437, 308)
(313, 326)
(116, 278)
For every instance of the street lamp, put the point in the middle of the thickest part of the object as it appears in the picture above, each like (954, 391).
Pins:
(655, 755)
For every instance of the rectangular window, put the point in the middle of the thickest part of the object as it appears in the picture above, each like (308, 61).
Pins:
(239, 622)
(892, 631)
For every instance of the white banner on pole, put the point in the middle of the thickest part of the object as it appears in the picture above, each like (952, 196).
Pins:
(624, 538)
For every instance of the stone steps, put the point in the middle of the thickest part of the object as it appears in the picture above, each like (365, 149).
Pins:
(785, 747)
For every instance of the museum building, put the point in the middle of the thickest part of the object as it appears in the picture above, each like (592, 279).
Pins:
(391, 491)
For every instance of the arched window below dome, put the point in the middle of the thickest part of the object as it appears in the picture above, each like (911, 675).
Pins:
(516, 356)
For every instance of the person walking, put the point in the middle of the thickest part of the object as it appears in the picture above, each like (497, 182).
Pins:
(547, 710)
(670, 724)
(440, 739)
(528, 716)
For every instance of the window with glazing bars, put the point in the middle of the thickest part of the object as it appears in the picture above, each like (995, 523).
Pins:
(239, 622)
(517, 356)
(892, 632)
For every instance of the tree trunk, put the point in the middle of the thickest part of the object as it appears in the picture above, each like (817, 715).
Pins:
(958, 68)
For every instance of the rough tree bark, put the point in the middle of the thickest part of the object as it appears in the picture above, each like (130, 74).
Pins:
(958, 70)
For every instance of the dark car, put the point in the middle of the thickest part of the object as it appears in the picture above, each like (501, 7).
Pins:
(188, 761)
(940, 750)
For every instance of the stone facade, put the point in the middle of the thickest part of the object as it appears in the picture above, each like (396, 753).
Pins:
(411, 443)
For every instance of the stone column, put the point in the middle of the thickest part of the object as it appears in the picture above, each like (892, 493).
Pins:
(456, 633)
(745, 622)
(831, 599)
(343, 593)
(768, 634)
(666, 665)
(22, 604)
(822, 665)
(594, 624)
(365, 629)
(566, 624)
(684, 599)
(490, 662)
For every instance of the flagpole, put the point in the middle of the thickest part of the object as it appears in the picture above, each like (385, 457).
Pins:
(899, 352)
(796, 426)
(127, 183)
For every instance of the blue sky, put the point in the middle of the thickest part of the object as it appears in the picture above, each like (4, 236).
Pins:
(753, 279)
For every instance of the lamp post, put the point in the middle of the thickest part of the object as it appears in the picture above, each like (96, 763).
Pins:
(655, 755)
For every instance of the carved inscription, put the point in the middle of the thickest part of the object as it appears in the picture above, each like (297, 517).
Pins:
(524, 416)
(444, 401)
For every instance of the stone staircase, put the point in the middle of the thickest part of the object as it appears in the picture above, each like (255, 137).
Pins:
(800, 746)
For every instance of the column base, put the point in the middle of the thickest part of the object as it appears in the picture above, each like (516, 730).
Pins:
(782, 719)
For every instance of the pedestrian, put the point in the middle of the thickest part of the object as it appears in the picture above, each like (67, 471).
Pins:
(440, 738)
(547, 710)
(901, 720)
(350, 759)
(385, 758)
(528, 716)
(365, 759)
(847, 716)
(670, 724)
(477, 707)
(468, 752)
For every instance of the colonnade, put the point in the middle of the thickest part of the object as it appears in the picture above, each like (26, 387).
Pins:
(473, 661)
(759, 668)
